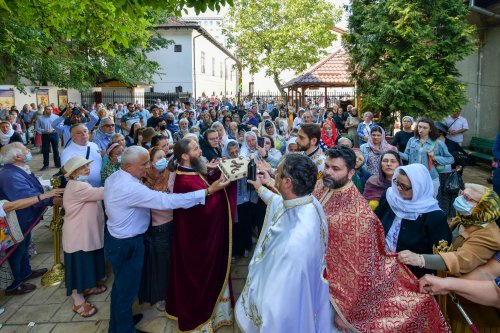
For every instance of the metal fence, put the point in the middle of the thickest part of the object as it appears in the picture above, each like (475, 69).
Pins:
(147, 98)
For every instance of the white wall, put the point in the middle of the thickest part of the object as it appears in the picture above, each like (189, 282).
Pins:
(30, 97)
(175, 66)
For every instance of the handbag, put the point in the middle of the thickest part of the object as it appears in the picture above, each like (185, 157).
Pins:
(454, 183)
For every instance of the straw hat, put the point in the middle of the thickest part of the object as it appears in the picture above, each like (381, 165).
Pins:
(73, 164)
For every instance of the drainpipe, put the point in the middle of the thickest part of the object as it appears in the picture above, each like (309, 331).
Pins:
(194, 67)
(482, 11)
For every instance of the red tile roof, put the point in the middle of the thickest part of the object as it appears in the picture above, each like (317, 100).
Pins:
(331, 71)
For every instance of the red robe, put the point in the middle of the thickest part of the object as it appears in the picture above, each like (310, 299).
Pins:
(369, 288)
(201, 255)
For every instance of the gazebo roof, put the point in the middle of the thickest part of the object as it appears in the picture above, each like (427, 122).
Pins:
(332, 71)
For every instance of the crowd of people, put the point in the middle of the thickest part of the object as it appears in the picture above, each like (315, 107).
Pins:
(338, 213)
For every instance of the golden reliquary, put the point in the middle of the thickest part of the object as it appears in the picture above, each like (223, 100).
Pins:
(234, 168)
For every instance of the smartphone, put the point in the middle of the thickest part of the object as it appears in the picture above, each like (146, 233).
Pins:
(260, 142)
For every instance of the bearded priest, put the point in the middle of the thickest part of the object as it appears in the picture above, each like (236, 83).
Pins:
(370, 290)
(198, 295)
(285, 290)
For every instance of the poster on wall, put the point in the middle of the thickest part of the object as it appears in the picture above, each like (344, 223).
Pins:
(62, 97)
(42, 97)
(7, 99)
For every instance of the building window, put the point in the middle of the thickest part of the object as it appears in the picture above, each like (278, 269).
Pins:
(221, 71)
(213, 66)
(203, 62)
(178, 48)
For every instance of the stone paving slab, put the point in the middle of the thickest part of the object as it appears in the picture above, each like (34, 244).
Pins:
(50, 308)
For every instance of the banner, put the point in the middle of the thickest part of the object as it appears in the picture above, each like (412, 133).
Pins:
(7, 99)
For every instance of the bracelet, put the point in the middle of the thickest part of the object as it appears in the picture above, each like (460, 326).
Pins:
(422, 261)
(38, 196)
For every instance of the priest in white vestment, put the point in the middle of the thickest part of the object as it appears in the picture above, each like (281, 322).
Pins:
(285, 291)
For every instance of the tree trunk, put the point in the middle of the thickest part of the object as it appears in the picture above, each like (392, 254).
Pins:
(278, 84)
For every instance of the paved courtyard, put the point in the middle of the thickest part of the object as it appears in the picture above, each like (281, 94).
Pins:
(48, 309)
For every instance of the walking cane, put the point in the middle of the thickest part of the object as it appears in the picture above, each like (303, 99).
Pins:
(56, 274)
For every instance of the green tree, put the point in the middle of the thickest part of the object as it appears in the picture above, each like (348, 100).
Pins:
(75, 43)
(404, 55)
(278, 35)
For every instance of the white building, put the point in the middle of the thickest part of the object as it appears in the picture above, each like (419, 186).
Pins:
(196, 63)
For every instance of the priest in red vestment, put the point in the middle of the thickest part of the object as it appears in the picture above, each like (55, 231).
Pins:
(370, 290)
(198, 294)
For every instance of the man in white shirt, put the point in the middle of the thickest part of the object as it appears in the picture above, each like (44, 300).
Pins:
(285, 290)
(457, 126)
(80, 146)
(128, 204)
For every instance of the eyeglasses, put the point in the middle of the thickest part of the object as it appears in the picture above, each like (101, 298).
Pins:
(109, 125)
(401, 185)
(467, 197)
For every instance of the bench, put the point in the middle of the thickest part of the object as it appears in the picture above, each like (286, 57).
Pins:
(481, 148)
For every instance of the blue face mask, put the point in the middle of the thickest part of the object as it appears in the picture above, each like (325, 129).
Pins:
(83, 178)
(108, 135)
(462, 206)
(28, 157)
(119, 159)
(161, 165)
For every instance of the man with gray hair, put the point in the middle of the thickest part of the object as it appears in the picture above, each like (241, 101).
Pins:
(103, 136)
(18, 182)
(183, 130)
(128, 203)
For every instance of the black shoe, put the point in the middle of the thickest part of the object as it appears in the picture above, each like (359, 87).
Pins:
(44, 168)
(140, 331)
(58, 166)
(137, 318)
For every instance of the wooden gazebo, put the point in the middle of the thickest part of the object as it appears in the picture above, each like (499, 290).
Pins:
(330, 72)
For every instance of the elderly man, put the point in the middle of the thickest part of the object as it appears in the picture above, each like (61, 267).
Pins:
(70, 117)
(285, 288)
(18, 182)
(128, 204)
(43, 125)
(102, 137)
(80, 146)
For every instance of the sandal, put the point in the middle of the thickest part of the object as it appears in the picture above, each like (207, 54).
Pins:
(85, 310)
(94, 291)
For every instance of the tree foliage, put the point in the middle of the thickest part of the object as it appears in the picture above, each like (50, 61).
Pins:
(278, 35)
(404, 55)
(75, 43)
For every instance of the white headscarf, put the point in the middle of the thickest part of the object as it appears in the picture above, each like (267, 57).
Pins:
(245, 151)
(292, 140)
(5, 138)
(421, 202)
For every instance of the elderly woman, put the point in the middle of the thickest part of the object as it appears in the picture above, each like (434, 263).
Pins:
(477, 208)
(364, 128)
(402, 137)
(375, 148)
(183, 130)
(8, 135)
(328, 135)
(158, 239)
(250, 146)
(424, 148)
(114, 154)
(10, 231)
(223, 138)
(411, 217)
(377, 184)
(82, 236)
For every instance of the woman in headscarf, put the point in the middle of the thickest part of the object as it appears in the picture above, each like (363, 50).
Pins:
(374, 148)
(377, 184)
(250, 146)
(291, 145)
(401, 138)
(7, 134)
(478, 207)
(269, 129)
(158, 238)
(328, 135)
(223, 137)
(411, 217)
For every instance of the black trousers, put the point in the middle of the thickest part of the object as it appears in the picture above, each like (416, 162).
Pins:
(47, 141)
(242, 230)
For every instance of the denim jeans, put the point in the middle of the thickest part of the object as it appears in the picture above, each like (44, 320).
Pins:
(20, 263)
(126, 257)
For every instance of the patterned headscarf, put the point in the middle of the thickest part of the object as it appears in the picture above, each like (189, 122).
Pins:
(486, 211)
